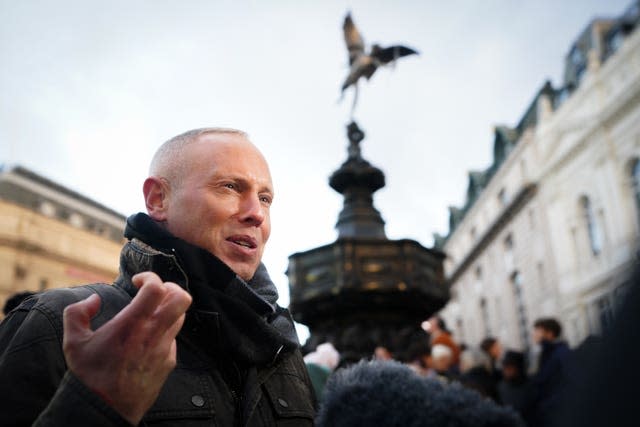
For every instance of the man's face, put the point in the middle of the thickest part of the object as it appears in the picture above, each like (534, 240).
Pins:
(222, 202)
(541, 334)
(496, 350)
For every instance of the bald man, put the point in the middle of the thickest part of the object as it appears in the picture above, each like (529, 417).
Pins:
(190, 332)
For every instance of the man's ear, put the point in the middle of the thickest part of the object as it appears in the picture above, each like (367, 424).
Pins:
(156, 191)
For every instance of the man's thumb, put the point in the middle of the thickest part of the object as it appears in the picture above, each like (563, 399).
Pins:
(77, 317)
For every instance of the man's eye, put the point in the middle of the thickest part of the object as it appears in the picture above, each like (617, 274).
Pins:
(265, 200)
(230, 186)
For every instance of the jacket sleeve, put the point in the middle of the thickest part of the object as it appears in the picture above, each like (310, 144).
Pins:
(35, 387)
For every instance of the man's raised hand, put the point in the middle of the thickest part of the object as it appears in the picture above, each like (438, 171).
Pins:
(127, 360)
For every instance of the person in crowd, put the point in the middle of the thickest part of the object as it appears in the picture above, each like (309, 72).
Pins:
(514, 389)
(493, 349)
(382, 353)
(604, 387)
(320, 364)
(440, 363)
(14, 300)
(414, 350)
(475, 373)
(391, 394)
(552, 375)
(437, 329)
(190, 330)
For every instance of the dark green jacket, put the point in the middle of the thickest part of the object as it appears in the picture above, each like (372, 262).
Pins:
(214, 383)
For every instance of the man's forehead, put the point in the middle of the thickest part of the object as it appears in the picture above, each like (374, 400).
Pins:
(236, 156)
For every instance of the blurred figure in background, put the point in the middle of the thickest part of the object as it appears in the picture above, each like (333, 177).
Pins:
(382, 353)
(605, 388)
(440, 363)
(552, 375)
(320, 364)
(437, 329)
(493, 349)
(514, 389)
(416, 352)
(475, 373)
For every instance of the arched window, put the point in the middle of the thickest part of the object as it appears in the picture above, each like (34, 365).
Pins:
(521, 310)
(484, 310)
(595, 237)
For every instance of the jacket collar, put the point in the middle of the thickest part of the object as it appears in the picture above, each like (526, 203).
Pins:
(192, 266)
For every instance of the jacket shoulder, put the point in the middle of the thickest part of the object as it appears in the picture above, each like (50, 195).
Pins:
(42, 313)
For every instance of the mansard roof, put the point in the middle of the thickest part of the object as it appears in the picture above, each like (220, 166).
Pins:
(601, 34)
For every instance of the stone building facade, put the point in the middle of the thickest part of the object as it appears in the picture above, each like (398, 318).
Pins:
(51, 236)
(551, 228)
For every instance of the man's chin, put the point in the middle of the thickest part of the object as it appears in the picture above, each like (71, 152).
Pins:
(245, 272)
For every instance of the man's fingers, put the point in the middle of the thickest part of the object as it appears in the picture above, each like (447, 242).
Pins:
(151, 294)
(175, 303)
(143, 278)
(169, 316)
(154, 309)
(76, 318)
(173, 330)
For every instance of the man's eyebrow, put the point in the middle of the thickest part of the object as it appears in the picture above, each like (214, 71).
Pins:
(264, 188)
(268, 190)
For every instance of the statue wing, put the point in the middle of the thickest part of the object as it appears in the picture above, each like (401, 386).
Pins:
(392, 53)
(353, 39)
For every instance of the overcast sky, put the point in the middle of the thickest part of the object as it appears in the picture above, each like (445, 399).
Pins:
(89, 89)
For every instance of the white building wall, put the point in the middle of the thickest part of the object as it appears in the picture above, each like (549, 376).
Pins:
(584, 148)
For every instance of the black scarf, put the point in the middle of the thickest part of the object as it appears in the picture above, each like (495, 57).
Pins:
(253, 329)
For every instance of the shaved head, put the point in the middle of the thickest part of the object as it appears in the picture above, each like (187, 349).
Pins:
(170, 163)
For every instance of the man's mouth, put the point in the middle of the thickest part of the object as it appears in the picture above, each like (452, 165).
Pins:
(244, 241)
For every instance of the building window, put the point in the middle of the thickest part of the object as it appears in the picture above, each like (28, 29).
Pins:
(460, 328)
(615, 41)
(542, 280)
(19, 272)
(595, 237)
(502, 197)
(577, 57)
(635, 178)
(521, 311)
(580, 72)
(478, 282)
(43, 284)
(76, 220)
(532, 219)
(47, 209)
(605, 313)
(498, 310)
(508, 253)
(561, 96)
(508, 242)
(484, 310)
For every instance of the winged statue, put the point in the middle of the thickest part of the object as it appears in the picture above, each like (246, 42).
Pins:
(362, 63)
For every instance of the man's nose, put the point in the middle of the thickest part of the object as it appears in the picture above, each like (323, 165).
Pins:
(252, 210)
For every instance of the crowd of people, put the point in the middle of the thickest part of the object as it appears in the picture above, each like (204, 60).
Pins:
(504, 378)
